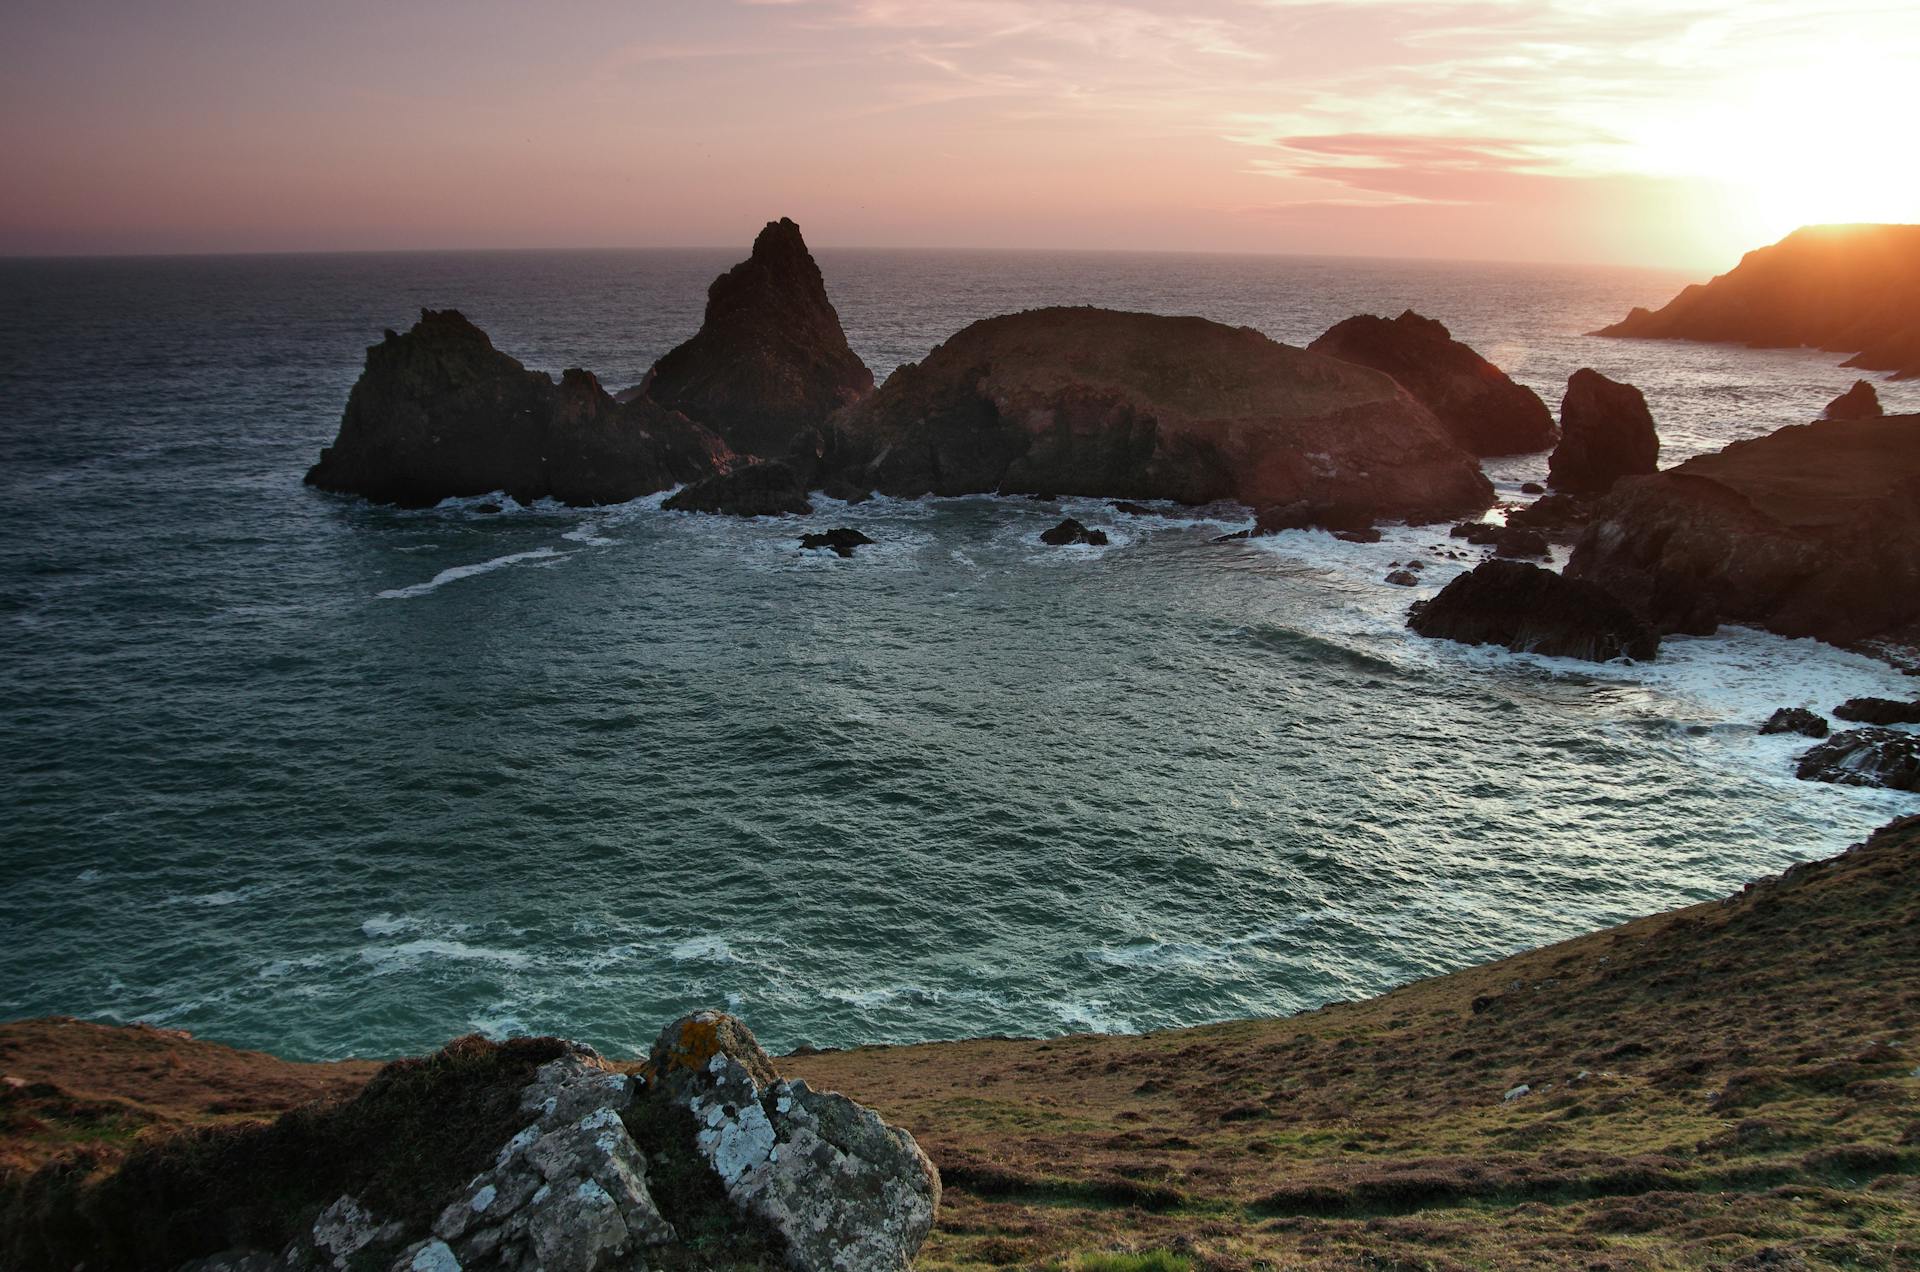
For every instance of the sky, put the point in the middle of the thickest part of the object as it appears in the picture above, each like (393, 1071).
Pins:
(1656, 132)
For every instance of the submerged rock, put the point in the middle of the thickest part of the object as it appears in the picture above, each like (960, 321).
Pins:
(1141, 406)
(770, 362)
(1071, 532)
(1865, 757)
(1796, 720)
(1861, 402)
(1878, 711)
(1813, 530)
(767, 489)
(1531, 610)
(840, 540)
(1484, 410)
(1606, 433)
(440, 413)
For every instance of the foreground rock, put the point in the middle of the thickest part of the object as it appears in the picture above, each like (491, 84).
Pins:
(767, 489)
(1861, 402)
(1531, 610)
(1844, 288)
(1865, 757)
(1071, 532)
(841, 540)
(1813, 530)
(1606, 433)
(440, 413)
(1484, 410)
(533, 1154)
(1796, 720)
(1139, 406)
(770, 362)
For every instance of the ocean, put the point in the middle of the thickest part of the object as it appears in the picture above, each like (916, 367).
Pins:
(299, 773)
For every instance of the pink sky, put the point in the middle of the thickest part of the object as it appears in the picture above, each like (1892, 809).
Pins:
(1648, 131)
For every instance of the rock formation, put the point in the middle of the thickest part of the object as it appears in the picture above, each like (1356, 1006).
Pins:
(768, 489)
(1531, 610)
(770, 362)
(1865, 757)
(532, 1154)
(1606, 433)
(841, 541)
(1877, 711)
(1795, 720)
(1138, 406)
(1861, 402)
(440, 412)
(1484, 410)
(1844, 288)
(1071, 532)
(1813, 530)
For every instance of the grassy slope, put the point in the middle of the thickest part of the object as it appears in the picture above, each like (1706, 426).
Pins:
(1729, 1085)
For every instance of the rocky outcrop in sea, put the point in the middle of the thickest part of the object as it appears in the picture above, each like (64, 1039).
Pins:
(1813, 530)
(770, 362)
(1139, 406)
(439, 412)
(766, 489)
(1533, 610)
(1606, 433)
(1861, 402)
(1484, 410)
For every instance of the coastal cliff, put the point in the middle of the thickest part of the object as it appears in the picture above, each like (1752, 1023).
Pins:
(1843, 288)
(1140, 406)
(1730, 1085)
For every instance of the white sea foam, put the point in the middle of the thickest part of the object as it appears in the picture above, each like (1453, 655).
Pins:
(702, 949)
(89, 875)
(459, 572)
(589, 534)
(384, 924)
(413, 953)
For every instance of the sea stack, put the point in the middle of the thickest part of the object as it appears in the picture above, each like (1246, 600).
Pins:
(439, 412)
(1139, 406)
(1484, 410)
(1606, 433)
(770, 362)
(1861, 402)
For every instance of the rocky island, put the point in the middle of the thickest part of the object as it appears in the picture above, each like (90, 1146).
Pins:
(1843, 288)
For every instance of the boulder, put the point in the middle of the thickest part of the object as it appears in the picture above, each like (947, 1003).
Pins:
(1877, 711)
(1532, 488)
(1070, 532)
(1531, 610)
(1813, 530)
(1369, 535)
(1517, 541)
(838, 1187)
(1865, 757)
(439, 413)
(1559, 517)
(1606, 433)
(1861, 402)
(1486, 412)
(770, 362)
(768, 489)
(1844, 288)
(1481, 534)
(1403, 578)
(1141, 406)
(840, 540)
(1795, 720)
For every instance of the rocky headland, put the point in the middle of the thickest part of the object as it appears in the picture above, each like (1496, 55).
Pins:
(1138, 406)
(1813, 530)
(439, 412)
(1484, 410)
(1732, 1085)
(1843, 288)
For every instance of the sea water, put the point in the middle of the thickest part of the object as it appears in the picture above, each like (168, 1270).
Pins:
(296, 772)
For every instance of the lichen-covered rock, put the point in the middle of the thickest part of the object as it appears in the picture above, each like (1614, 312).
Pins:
(1531, 610)
(1486, 411)
(841, 1189)
(1865, 757)
(439, 412)
(1606, 433)
(770, 362)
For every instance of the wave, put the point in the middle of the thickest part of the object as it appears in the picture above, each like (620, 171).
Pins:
(459, 572)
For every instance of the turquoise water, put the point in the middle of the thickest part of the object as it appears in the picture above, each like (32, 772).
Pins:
(298, 773)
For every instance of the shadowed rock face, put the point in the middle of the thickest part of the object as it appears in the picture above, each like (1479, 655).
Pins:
(440, 412)
(1139, 406)
(1861, 402)
(767, 489)
(1531, 610)
(770, 361)
(1606, 433)
(1844, 288)
(1813, 530)
(1486, 412)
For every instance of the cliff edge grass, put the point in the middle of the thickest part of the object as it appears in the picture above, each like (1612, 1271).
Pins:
(1731, 1085)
